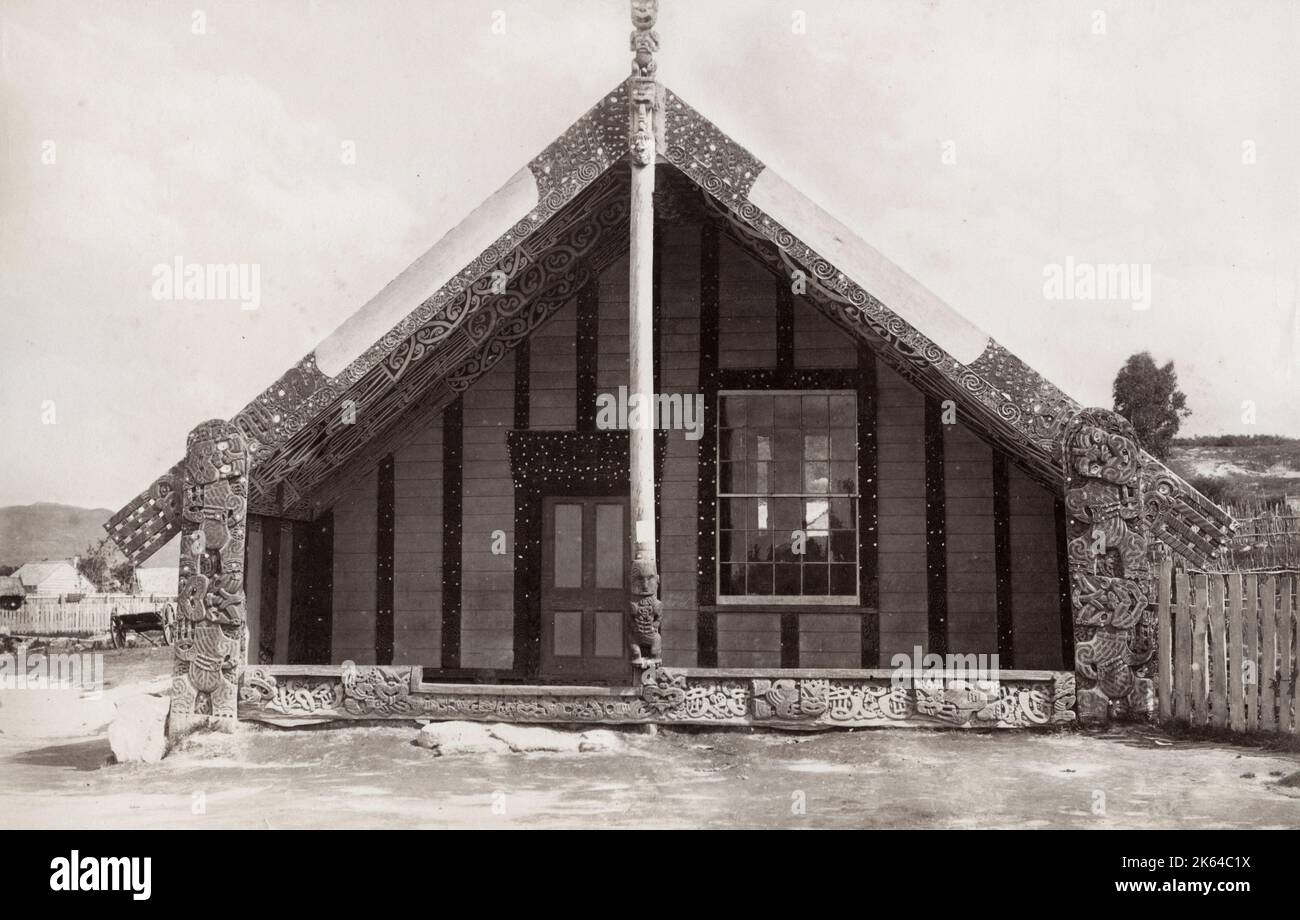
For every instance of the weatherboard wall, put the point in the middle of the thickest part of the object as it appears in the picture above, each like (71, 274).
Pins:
(918, 486)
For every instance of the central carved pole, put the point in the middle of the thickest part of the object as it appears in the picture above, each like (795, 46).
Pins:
(644, 106)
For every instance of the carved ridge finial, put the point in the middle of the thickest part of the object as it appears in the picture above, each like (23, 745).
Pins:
(644, 90)
(645, 40)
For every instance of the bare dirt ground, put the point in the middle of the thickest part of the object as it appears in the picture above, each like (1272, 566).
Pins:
(55, 771)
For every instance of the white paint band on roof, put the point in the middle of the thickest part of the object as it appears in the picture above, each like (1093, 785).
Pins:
(459, 247)
(866, 267)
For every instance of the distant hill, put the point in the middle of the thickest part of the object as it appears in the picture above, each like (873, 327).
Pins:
(30, 533)
(1240, 471)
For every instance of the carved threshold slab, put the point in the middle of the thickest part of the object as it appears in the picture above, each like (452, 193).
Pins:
(302, 695)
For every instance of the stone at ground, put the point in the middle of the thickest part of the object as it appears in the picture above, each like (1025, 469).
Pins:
(600, 740)
(367, 776)
(527, 739)
(450, 738)
(139, 731)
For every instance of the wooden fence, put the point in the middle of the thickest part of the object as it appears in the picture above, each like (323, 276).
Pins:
(1226, 646)
(89, 616)
(1266, 539)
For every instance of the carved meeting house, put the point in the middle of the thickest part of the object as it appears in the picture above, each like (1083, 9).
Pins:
(425, 518)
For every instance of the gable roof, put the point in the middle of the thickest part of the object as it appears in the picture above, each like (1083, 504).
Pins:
(520, 256)
(34, 573)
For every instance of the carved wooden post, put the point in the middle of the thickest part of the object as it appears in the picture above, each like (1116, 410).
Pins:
(644, 104)
(211, 633)
(1112, 585)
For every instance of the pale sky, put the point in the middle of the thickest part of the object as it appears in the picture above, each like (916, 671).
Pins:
(1126, 146)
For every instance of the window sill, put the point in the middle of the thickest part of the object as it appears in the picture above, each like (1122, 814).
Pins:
(801, 607)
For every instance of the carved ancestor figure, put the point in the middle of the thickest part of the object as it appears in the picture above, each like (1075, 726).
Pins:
(1109, 521)
(646, 613)
(643, 96)
(211, 628)
(645, 40)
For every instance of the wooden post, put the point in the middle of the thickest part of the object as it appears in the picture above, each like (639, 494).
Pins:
(1233, 677)
(1165, 636)
(1183, 650)
(211, 635)
(644, 106)
(1265, 683)
(1109, 512)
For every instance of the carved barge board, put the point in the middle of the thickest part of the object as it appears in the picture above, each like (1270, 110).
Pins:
(290, 695)
(287, 425)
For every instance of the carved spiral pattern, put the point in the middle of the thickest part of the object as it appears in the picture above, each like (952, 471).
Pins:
(669, 696)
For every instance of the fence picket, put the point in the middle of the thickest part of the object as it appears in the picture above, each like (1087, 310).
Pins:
(1250, 635)
(1286, 635)
(55, 616)
(1200, 652)
(1182, 670)
(1164, 637)
(1215, 673)
(1268, 658)
(1234, 656)
(1229, 649)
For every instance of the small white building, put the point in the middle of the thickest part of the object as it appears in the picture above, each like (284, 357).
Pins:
(52, 577)
(157, 580)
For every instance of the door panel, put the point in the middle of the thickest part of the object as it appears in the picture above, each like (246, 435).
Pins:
(566, 641)
(609, 634)
(610, 549)
(568, 544)
(585, 543)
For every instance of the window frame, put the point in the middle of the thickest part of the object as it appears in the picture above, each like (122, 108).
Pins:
(787, 600)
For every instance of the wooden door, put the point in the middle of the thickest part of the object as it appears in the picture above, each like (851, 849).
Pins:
(584, 589)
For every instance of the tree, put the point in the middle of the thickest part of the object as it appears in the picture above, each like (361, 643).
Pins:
(104, 566)
(1148, 396)
(93, 565)
(124, 575)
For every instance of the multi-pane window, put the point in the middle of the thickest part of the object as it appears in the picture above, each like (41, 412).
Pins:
(787, 497)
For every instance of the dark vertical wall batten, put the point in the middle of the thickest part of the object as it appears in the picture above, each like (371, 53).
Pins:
(523, 371)
(790, 640)
(528, 537)
(741, 333)
(784, 324)
(528, 582)
(936, 544)
(868, 532)
(1002, 558)
(270, 590)
(661, 435)
(384, 547)
(588, 338)
(707, 624)
(1063, 585)
(452, 521)
(311, 615)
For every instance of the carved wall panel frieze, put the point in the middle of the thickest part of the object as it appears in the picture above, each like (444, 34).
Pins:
(667, 696)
